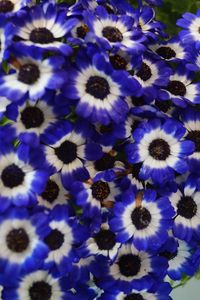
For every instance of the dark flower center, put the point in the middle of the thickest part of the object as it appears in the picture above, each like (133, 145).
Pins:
(106, 128)
(41, 36)
(105, 163)
(51, 191)
(166, 52)
(66, 152)
(118, 62)
(12, 176)
(82, 31)
(100, 190)
(6, 6)
(176, 88)
(195, 137)
(17, 240)
(98, 87)
(145, 72)
(141, 218)
(134, 297)
(137, 101)
(40, 290)
(136, 170)
(105, 239)
(187, 207)
(164, 105)
(112, 34)
(29, 73)
(129, 265)
(32, 117)
(159, 149)
(54, 240)
(168, 255)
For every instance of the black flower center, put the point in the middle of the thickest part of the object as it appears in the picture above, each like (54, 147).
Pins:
(66, 152)
(105, 239)
(159, 149)
(40, 290)
(6, 6)
(54, 240)
(98, 87)
(195, 137)
(51, 191)
(100, 190)
(41, 36)
(32, 117)
(112, 34)
(187, 207)
(17, 240)
(164, 105)
(106, 162)
(141, 218)
(136, 170)
(118, 62)
(29, 73)
(134, 296)
(145, 72)
(137, 101)
(176, 88)
(12, 176)
(168, 255)
(129, 265)
(166, 52)
(82, 31)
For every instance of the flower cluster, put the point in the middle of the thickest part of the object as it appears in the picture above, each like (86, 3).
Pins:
(99, 150)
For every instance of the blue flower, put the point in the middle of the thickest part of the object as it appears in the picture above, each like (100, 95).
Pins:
(160, 148)
(142, 218)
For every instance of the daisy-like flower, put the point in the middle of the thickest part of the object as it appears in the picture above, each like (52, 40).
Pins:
(131, 269)
(180, 258)
(21, 236)
(67, 148)
(44, 26)
(22, 176)
(62, 235)
(30, 76)
(190, 23)
(144, 218)
(160, 148)
(180, 89)
(38, 284)
(10, 7)
(114, 32)
(186, 202)
(100, 89)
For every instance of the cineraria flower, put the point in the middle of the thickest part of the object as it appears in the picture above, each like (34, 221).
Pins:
(9, 7)
(180, 89)
(38, 284)
(30, 76)
(44, 26)
(144, 218)
(130, 270)
(62, 235)
(22, 176)
(100, 89)
(21, 235)
(78, 33)
(114, 32)
(160, 148)
(186, 202)
(67, 148)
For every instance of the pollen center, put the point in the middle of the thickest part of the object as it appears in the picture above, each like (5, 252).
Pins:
(118, 62)
(12, 176)
(159, 149)
(100, 190)
(166, 52)
(40, 290)
(67, 152)
(176, 88)
(41, 36)
(112, 34)
(187, 207)
(6, 6)
(51, 191)
(29, 73)
(17, 240)
(98, 87)
(194, 136)
(141, 218)
(105, 239)
(32, 117)
(54, 240)
(82, 31)
(105, 163)
(134, 297)
(145, 72)
(129, 265)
